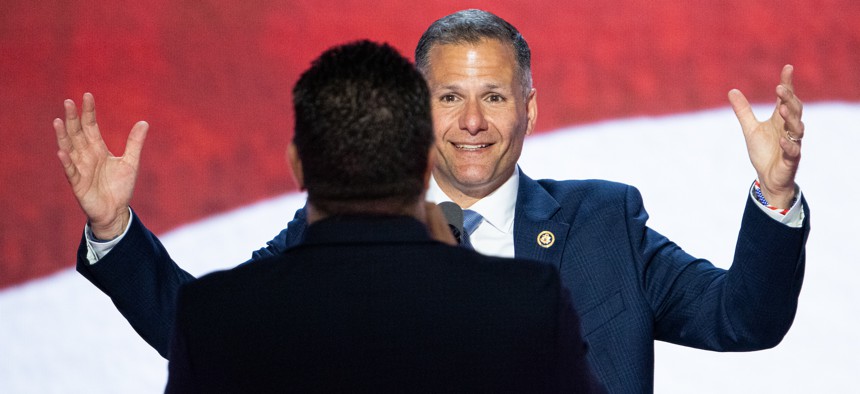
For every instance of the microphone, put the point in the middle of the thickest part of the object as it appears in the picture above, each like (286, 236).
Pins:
(454, 216)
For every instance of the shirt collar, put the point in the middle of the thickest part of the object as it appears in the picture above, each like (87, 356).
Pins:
(497, 208)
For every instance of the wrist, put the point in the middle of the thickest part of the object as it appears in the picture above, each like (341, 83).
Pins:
(780, 202)
(112, 229)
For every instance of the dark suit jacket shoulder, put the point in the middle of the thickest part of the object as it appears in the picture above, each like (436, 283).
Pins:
(375, 305)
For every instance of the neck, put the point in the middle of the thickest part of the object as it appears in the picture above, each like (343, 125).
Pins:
(382, 208)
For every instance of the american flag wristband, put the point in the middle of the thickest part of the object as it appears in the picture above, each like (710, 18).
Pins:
(760, 197)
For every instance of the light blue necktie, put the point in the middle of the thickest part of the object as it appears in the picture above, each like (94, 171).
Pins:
(471, 221)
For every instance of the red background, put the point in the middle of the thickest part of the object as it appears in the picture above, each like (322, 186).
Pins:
(213, 79)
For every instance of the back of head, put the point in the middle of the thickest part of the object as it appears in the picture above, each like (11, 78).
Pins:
(363, 129)
(471, 27)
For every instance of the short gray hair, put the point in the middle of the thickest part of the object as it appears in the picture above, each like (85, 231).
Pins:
(473, 26)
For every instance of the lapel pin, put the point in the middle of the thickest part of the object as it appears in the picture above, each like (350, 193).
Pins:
(545, 239)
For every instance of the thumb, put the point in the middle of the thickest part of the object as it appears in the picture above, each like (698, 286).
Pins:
(743, 110)
(134, 144)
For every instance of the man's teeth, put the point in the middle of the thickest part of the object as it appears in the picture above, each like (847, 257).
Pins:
(471, 147)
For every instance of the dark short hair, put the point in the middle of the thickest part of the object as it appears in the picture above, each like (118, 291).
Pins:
(471, 27)
(363, 128)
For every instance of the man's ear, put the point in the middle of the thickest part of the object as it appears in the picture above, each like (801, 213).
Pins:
(296, 165)
(532, 110)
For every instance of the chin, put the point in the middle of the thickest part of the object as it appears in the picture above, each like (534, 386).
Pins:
(473, 179)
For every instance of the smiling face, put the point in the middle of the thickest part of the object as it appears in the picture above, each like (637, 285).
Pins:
(481, 116)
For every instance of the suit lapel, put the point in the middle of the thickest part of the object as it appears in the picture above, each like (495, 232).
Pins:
(536, 235)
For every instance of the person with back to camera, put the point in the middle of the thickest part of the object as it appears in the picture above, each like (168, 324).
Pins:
(369, 302)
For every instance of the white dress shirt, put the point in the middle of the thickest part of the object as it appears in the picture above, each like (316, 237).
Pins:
(495, 235)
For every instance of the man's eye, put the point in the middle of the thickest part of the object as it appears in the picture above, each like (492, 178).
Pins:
(495, 98)
(448, 98)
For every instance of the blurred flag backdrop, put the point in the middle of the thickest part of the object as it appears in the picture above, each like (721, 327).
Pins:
(213, 78)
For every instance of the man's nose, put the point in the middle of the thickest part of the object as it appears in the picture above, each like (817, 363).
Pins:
(472, 119)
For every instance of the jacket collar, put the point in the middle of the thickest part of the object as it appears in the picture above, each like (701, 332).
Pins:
(539, 233)
(366, 229)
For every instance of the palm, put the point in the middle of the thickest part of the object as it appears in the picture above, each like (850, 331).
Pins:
(105, 186)
(102, 183)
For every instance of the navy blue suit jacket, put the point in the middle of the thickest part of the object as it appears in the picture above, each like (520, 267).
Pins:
(629, 284)
(373, 304)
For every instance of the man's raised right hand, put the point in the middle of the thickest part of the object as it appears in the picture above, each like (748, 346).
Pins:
(102, 182)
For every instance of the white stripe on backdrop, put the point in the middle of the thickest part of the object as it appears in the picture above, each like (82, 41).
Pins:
(61, 335)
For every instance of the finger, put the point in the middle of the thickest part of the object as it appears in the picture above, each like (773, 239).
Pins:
(88, 118)
(793, 123)
(790, 149)
(790, 108)
(72, 174)
(73, 125)
(787, 97)
(786, 76)
(743, 110)
(63, 139)
(785, 89)
(134, 144)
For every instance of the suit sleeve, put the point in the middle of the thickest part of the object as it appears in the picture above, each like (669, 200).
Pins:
(287, 238)
(142, 279)
(750, 306)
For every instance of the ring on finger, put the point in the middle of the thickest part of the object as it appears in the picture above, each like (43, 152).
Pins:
(791, 137)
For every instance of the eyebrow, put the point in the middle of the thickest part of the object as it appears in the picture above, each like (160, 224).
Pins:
(448, 87)
(456, 87)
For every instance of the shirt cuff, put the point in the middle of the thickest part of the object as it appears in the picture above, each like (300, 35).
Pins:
(793, 218)
(96, 249)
